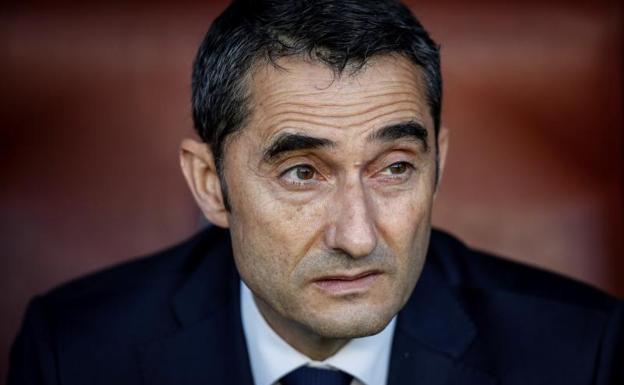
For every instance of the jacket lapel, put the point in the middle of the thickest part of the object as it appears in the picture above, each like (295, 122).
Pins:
(432, 333)
(209, 347)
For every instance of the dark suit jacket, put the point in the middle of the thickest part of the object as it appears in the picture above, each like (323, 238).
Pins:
(174, 318)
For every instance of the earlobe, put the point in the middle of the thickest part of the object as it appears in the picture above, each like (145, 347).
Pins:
(199, 169)
(443, 139)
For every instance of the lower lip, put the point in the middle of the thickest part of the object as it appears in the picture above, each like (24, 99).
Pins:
(342, 286)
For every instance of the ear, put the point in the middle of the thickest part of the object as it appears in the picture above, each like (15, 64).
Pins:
(198, 167)
(443, 139)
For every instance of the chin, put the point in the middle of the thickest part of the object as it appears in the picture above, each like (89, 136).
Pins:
(351, 323)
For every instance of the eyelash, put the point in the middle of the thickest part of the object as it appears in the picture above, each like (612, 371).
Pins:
(409, 167)
(296, 182)
(306, 183)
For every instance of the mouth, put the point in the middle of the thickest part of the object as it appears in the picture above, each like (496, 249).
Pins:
(348, 284)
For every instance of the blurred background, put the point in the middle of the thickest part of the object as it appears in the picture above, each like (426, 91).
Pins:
(95, 99)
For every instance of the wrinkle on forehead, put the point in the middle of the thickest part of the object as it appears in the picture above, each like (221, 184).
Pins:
(310, 96)
(310, 108)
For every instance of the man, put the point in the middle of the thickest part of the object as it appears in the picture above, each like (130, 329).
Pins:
(320, 158)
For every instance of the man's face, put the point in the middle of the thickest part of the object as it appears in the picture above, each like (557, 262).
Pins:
(331, 184)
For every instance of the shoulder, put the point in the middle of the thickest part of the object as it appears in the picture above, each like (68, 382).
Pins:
(468, 268)
(531, 323)
(95, 324)
(153, 273)
(130, 303)
(129, 292)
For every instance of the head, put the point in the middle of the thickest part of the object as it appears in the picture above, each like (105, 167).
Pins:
(321, 152)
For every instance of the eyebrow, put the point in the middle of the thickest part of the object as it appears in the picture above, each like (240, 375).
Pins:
(289, 142)
(408, 130)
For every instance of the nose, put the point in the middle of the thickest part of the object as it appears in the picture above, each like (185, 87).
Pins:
(352, 227)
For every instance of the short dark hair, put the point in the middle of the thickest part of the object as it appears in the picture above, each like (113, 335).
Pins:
(339, 33)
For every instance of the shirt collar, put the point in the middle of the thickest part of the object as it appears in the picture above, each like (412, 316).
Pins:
(366, 358)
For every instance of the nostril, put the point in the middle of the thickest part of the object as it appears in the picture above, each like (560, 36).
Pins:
(357, 240)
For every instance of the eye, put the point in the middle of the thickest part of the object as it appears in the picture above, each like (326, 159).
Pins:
(300, 175)
(303, 172)
(398, 168)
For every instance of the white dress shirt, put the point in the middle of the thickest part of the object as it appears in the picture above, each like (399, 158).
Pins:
(366, 359)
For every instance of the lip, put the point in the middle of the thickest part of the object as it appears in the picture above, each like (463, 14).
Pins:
(346, 283)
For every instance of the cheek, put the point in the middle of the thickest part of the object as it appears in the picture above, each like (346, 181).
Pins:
(403, 218)
(404, 222)
(270, 234)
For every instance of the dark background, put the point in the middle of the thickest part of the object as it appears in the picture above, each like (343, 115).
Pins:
(95, 99)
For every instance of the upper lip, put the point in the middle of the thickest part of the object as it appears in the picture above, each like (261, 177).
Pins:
(347, 277)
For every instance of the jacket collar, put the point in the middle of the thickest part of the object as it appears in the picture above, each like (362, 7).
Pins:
(433, 332)
(212, 282)
(209, 347)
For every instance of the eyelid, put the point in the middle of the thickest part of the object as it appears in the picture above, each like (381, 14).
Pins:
(294, 167)
(312, 161)
(299, 183)
(406, 163)
(394, 155)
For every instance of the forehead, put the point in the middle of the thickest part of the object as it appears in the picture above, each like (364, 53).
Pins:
(301, 95)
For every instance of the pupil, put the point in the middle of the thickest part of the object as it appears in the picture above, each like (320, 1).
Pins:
(304, 173)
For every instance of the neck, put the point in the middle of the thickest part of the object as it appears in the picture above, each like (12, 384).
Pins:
(304, 340)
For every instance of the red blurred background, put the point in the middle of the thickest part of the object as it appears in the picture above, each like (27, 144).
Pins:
(96, 99)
